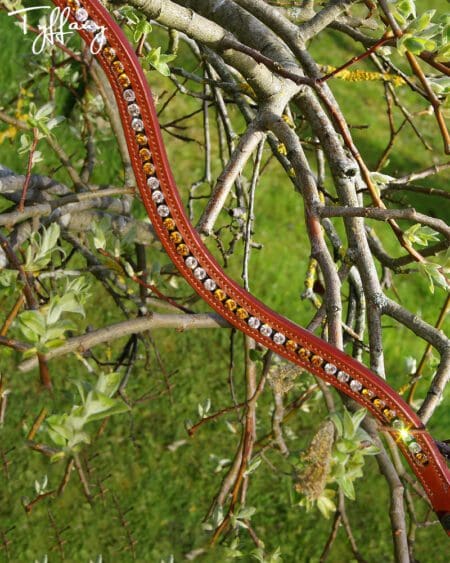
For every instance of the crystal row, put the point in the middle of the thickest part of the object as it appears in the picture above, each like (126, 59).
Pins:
(201, 275)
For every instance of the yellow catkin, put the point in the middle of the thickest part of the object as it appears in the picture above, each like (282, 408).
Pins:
(365, 76)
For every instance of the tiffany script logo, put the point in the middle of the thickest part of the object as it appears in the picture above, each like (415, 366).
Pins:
(56, 28)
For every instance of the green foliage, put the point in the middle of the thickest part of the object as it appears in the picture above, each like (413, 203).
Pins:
(45, 328)
(68, 431)
(157, 60)
(41, 248)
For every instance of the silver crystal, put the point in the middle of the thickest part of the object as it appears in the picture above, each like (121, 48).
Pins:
(129, 95)
(414, 447)
(355, 385)
(163, 211)
(265, 330)
(331, 369)
(253, 322)
(90, 26)
(200, 273)
(279, 338)
(137, 124)
(157, 196)
(191, 262)
(153, 183)
(343, 377)
(81, 15)
(133, 110)
(210, 284)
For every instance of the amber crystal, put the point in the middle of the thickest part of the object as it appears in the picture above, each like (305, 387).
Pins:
(118, 67)
(230, 304)
(124, 81)
(367, 393)
(141, 139)
(109, 54)
(182, 249)
(241, 313)
(317, 361)
(291, 345)
(74, 4)
(220, 294)
(176, 237)
(145, 154)
(149, 168)
(169, 223)
(304, 353)
(422, 458)
(378, 403)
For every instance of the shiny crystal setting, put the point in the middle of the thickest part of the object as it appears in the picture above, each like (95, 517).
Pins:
(210, 284)
(81, 15)
(200, 273)
(343, 377)
(253, 322)
(133, 110)
(265, 330)
(129, 95)
(163, 211)
(279, 338)
(355, 385)
(191, 262)
(331, 369)
(153, 183)
(137, 125)
(157, 196)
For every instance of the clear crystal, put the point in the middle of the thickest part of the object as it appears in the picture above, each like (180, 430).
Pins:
(157, 196)
(343, 377)
(398, 424)
(414, 447)
(153, 183)
(331, 369)
(81, 15)
(100, 40)
(279, 338)
(191, 262)
(133, 110)
(355, 385)
(265, 330)
(253, 322)
(129, 95)
(200, 273)
(137, 124)
(163, 211)
(90, 26)
(210, 284)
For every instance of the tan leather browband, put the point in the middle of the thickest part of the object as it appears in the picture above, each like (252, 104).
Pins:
(165, 210)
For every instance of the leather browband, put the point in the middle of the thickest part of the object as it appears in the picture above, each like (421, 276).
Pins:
(202, 272)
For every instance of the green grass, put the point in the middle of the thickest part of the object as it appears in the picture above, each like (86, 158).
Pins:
(170, 492)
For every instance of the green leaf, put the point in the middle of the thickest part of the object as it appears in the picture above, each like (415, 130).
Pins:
(421, 235)
(32, 324)
(347, 487)
(108, 383)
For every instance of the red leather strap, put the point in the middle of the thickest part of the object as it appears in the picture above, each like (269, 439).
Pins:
(199, 268)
